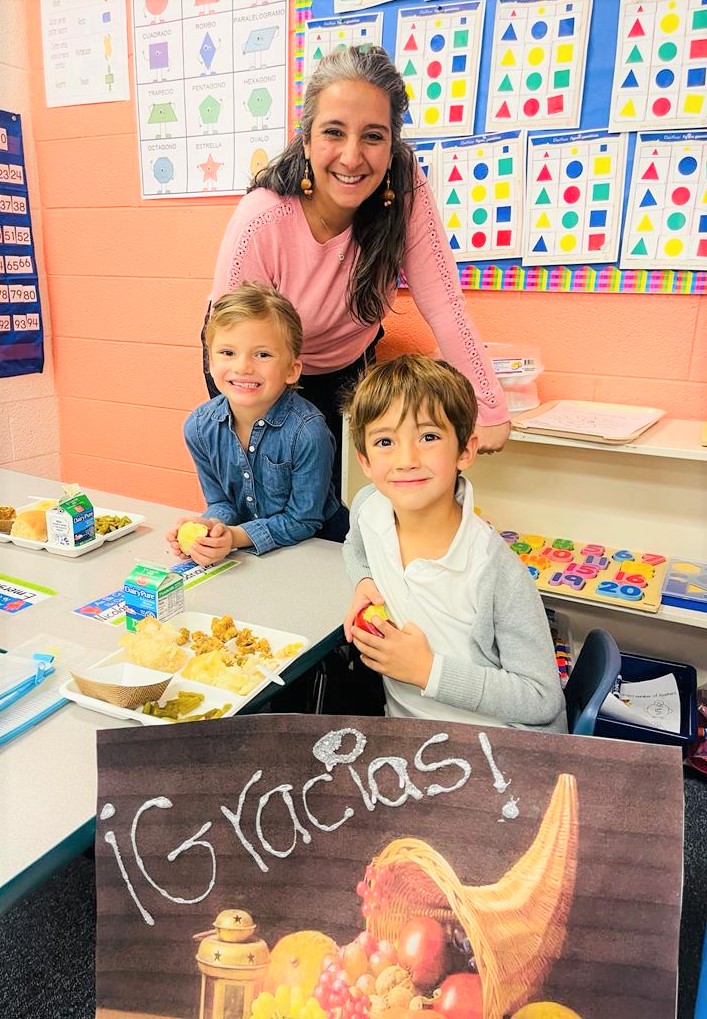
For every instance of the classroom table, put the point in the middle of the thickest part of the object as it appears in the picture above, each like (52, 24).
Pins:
(48, 789)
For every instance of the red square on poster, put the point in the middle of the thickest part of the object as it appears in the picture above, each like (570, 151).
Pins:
(596, 242)
(555, 104)
(456, 114)
(504, 238)
(702, 248)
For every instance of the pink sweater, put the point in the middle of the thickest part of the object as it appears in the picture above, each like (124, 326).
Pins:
(268, 239)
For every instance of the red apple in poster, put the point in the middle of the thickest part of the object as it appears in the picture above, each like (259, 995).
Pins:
(461, 997)
(422, 950)
(366, 618)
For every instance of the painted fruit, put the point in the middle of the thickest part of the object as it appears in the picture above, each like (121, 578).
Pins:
(545, 1010)
(423, 951)
(365, 618)
(296, 961)
(188, 533)
(461, 997)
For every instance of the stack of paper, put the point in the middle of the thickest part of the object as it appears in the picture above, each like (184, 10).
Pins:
(651, 702)
(585, 420)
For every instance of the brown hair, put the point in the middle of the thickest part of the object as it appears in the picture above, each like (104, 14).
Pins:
(256, 301)
(418, 382)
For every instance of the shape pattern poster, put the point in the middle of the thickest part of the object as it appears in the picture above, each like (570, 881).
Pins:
(437, 53)
(666, 223)
(660, 74)
(21, 332)
(575, 188)
(211, 93)
(537, 65)
(331, 34)
(480, 193)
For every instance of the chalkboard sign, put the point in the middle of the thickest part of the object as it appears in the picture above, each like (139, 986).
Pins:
(340, 867)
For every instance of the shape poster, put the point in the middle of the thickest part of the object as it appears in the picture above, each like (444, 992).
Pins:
(437, 52)
(322, 37)
(666, 220)
(21, 331)
(480, 195)
(660, 74)
(211, 94)
(85, 46)
(574, 198)
(537, 64)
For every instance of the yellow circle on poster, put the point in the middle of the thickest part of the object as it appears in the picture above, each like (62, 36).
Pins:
(478, 193)
(431, 115)
(673, 247)
(568, 242)
(536, 56)
(670, 23)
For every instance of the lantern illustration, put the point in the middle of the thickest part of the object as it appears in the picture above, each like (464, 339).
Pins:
(232, 962)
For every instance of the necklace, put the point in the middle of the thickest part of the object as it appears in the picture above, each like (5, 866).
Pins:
(329, 230)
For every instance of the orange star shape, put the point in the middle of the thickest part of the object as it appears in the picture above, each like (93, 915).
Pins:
(210, 168)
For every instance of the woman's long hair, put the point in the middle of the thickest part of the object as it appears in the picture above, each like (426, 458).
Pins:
(379, 232)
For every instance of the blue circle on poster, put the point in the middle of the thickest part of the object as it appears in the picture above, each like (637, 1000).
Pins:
(539, 30)
(574, 169)
(664, 78)
(437, 43)
(434, 90)
(481, 171)
(687, 166)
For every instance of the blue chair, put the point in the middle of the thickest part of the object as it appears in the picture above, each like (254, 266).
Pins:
(591, 680)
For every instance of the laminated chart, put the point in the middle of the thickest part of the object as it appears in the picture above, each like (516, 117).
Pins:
(660, 73)
(437, 52)
(211, 91)
(329, 34)
(574, 198)
(666, 218)
(480, 195)
(537, 64)
(426, 156)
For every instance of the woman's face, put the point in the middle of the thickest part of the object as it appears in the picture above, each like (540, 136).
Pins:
(349, 147)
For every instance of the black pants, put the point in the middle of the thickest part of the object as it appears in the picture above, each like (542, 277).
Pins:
(324, 391)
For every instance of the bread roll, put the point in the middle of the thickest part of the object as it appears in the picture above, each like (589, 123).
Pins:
(30, 524)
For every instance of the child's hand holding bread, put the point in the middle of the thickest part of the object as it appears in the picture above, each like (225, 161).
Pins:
(205, 541)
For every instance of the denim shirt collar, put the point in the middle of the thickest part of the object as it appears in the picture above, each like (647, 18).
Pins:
(275, 416)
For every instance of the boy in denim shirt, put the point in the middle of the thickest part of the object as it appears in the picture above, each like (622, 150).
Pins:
(263, 454)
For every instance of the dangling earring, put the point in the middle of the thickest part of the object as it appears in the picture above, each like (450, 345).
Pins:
(305, 184)
(388, 195)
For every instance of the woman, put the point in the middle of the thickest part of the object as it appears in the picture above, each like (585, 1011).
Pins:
(334, 220)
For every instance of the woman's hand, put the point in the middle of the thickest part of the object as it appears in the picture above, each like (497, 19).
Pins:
(366, 593)
(492, 438)
(403, 654)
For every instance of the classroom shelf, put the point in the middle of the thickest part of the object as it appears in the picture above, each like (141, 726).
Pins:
(674, 438)
(665, 614)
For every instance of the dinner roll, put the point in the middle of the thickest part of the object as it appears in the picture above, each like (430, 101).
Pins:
(31, 524)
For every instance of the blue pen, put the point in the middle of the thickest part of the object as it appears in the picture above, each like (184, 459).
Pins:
(44, 668)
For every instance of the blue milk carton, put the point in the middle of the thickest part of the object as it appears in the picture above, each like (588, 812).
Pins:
(152, 591)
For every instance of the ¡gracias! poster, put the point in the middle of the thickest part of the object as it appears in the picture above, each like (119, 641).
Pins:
(319, 867)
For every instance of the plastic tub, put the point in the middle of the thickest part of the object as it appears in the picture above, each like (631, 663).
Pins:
(517, 369)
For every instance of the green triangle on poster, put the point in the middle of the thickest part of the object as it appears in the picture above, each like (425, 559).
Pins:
(453, 198)
(640, 248)
(505, 85)
(411, 44)
(409, 69)
(543, 198)
(635, 56)
(318, 54)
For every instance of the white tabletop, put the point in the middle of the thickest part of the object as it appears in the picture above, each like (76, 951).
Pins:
(48, 775)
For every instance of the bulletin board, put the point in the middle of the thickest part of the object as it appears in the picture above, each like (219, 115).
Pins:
(608, 191)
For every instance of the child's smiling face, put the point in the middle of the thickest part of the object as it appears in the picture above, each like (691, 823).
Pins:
(251, 363)
(414, 460)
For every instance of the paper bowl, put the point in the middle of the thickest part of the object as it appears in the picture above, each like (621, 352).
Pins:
(123, 684)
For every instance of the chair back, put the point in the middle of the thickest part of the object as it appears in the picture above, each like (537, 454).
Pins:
(592, 678)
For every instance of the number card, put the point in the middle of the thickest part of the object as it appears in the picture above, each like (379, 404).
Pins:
(21, 332)
(666, 219)
(480, 195)
(331, 34)
(574, 197)
(437, 52)
(537, 64)
(660, 74)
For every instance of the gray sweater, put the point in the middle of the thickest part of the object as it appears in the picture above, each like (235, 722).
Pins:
(511, 672)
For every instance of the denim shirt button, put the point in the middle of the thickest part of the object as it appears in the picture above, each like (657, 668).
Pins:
(249, 498)
(251, 449)
(261, 422)
(246, 475)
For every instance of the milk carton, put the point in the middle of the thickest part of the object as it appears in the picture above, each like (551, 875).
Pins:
(152, 591)
(70, 523)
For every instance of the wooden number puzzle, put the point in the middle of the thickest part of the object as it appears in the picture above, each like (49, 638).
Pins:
(591, 572)
(331, 34)
(666, 219)
(660, 74)
(537, 65)
(480, 195)
(437, 52)
(574, 197)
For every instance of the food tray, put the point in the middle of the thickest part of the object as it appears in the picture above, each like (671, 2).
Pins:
(72, 553)
(214, 697)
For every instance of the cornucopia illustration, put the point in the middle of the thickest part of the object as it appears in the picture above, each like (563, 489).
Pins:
(434, 945)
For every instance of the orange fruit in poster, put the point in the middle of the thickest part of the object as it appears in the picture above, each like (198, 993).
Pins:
(545, 1010)
(296, 960)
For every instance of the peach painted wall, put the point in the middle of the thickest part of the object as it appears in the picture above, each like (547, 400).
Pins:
(128, 282)
(29, 425)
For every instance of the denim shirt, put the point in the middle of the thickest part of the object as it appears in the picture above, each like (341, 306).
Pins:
(279, 489)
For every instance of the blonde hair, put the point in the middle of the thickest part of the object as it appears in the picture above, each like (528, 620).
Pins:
(256, 301)
(417, 382)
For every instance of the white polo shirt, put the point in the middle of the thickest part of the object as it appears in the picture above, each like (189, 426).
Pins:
(438, 595)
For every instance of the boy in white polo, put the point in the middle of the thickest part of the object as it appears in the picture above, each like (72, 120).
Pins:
(469, 640)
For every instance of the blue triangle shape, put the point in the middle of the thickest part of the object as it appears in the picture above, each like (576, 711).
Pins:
(540, 246)
(631, 81)
(454, 243)
(509, 35)
(648, 199)
(407, 117)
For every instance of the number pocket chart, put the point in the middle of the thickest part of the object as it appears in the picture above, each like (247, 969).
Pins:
(21, 331)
